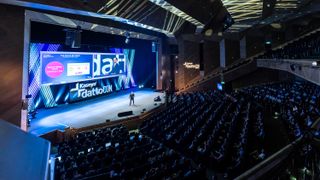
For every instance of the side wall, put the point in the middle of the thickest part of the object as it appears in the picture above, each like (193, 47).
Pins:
(189, 51)
(11, 62)
(211, 56)
(260, 76)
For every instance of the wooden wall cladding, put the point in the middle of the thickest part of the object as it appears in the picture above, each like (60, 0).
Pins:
(11, 62)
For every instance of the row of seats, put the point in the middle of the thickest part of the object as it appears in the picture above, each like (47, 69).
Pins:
(305, 48)
(210, 127)
(113, 153)
(296, 103)
(214, 129)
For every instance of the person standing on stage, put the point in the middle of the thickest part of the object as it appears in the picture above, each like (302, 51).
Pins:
(131, 96)
(116, 67)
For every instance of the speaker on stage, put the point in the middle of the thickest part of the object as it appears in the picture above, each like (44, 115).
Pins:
(125, 113)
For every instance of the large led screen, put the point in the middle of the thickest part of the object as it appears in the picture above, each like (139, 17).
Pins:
(67, 67)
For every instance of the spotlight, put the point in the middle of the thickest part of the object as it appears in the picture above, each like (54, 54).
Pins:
(314, 63)
(127, 34)
(208, 32)
(127, 41)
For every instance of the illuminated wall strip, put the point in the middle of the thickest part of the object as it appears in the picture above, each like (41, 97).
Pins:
(130, 56)
(47, 96)
(35, 71)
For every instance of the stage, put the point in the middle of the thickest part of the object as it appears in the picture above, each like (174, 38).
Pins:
(92, 112)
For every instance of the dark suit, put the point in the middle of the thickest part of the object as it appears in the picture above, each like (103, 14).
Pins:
(116, 68)
(131, 97)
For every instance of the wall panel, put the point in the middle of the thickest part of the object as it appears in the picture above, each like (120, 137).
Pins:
(11, 62)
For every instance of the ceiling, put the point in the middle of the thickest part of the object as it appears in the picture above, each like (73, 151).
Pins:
(155, 13)
(247, 13)
(168, 16)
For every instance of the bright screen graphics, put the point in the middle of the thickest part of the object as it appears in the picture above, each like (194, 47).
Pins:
(67, 67)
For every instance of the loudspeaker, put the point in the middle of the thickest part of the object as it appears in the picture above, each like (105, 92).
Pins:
(108, 120)
(201, 56)
(73, 37)
(76, 43)
(24, 104)
(125, 113)
(69, 38)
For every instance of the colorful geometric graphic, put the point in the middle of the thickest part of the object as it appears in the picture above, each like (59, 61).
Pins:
(51, 95)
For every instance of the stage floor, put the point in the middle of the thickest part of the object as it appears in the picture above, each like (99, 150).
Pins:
(94, 111)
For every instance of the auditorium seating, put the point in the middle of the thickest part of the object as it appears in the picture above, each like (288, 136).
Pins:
(113, 153)
(296, 103)
(304, 48)
(210, 127)
(213, 129)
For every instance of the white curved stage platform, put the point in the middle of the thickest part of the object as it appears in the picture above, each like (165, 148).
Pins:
(94, 111)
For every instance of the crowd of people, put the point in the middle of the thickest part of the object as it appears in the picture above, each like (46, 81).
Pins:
(296, 103)
(113, 153)
(304, 48)
(211, 127)
(195, 131)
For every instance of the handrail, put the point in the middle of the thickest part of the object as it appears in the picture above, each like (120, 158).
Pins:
(194, 82)
(304, 68)
(268, 164)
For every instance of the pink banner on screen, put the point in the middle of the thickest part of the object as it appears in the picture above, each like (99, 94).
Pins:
(54, 69)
